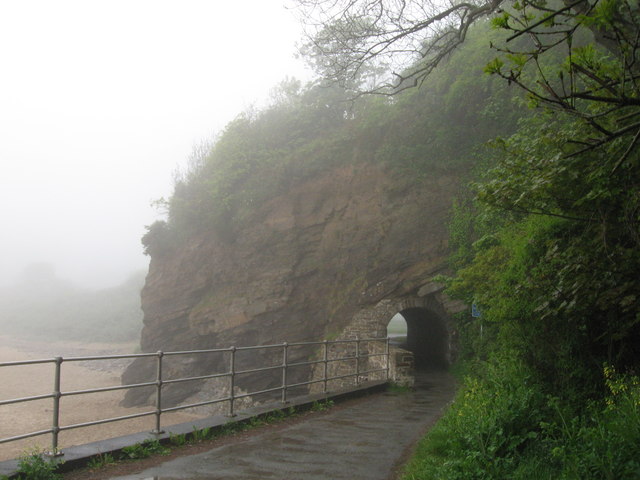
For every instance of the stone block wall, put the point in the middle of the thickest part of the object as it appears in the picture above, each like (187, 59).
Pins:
(371, 322)
(370, 365)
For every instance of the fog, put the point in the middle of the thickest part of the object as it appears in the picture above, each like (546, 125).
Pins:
(101, 101)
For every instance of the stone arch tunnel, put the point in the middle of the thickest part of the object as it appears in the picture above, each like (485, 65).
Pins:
(430, 330)
(431, 339)
(427, 338)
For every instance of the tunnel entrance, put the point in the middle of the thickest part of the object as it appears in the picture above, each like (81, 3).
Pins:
(426, 337)
(397, 328)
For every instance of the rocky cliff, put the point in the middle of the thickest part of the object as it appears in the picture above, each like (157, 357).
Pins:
(300, 269)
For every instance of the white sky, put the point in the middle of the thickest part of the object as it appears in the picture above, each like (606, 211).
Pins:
(100, 101)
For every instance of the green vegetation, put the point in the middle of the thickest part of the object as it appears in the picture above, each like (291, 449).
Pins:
(36, 466)
(504, 425)
(547, 246)
(178, 440)
(144, 450)
(396, 388)
(322, 406)
(310, 129)
(101, 461)
(199, 435)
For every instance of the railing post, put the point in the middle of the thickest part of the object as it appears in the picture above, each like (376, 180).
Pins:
(158, 428)
(232, 382)
(387, 355)
(357, 360)
(325, 360)
(55, 427)
(284, 371)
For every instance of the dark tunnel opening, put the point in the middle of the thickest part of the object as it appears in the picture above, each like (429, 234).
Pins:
(427, 338)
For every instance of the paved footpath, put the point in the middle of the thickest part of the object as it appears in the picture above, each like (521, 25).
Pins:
(363, 441)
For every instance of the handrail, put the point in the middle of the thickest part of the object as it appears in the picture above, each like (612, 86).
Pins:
(352, 361)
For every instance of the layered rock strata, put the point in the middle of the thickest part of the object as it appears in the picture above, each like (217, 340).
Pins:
(300, 269)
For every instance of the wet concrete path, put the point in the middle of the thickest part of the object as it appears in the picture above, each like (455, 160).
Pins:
(366, 440)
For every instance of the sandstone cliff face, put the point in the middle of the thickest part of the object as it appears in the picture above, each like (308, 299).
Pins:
(309, 260)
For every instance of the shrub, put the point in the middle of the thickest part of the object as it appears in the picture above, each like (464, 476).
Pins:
(603, 443)
(488, 429)
(35, 466)
(101, 461)
(144, 450)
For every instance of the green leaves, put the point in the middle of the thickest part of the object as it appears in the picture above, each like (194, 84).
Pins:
(35, 466)
(518, 60)
(501, 21)
(144, 450)
(494, 66)
(602, 15)
(494, 420)
(560, 281)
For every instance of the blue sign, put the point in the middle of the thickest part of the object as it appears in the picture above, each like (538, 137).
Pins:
(475, 311)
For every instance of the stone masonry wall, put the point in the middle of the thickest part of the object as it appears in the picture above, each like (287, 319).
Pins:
(371, 322)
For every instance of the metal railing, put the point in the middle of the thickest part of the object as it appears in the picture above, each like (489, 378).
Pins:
(231, 374)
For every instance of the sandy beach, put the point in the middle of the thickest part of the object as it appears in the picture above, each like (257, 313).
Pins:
(22, 381)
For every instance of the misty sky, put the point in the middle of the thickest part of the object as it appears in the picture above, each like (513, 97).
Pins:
(100, 101)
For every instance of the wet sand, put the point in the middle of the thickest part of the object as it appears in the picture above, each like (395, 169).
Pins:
(29, 380)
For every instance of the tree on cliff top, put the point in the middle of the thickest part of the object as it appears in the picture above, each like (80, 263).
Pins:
(383, 47)
(379, 46)
(375, 45)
